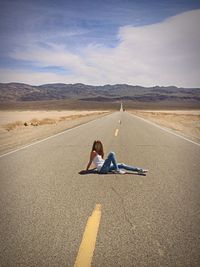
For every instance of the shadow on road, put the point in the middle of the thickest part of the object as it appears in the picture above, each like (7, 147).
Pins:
(94, 171)
(88, 172)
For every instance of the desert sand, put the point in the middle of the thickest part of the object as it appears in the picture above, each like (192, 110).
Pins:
(184, 122)
(19, 128)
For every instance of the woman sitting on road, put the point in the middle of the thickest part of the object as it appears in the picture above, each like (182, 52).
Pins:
(110, 164)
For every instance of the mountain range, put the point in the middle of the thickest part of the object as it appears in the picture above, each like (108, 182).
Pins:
(14, 92)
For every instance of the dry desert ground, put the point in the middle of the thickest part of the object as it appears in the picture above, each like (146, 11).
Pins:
(19, 128)
(184, 122)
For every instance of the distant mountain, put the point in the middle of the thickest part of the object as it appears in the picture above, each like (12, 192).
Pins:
(14, 92)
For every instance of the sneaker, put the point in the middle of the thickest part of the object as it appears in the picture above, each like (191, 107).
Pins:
(142, 171)
(120, 171)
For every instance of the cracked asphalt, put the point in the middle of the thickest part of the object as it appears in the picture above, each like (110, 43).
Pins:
(150, 220)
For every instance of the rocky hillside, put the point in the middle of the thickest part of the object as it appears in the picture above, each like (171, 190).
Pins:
(14, 92)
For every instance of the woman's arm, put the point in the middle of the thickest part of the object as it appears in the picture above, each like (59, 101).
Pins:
(92, 156)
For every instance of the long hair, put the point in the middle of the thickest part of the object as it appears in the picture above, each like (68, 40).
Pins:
(98, 147)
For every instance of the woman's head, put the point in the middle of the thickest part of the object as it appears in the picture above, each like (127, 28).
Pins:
(98, 147)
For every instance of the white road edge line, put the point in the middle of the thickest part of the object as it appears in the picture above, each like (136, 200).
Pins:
(52, 136)
(166, 130)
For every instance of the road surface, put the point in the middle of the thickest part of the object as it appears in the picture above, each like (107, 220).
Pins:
(148, 220)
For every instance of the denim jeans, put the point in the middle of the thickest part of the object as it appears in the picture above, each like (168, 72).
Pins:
(111, 164)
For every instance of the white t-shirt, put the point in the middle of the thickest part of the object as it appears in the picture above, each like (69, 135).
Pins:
(98, 161)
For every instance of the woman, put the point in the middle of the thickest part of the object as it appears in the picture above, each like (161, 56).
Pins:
(110, 164)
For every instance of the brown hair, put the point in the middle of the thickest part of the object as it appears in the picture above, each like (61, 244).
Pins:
(98, 147)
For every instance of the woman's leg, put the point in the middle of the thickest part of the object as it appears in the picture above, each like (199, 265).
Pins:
(128, 168)
(107, 164)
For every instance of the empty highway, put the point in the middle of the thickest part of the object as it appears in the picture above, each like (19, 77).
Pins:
(151, 220)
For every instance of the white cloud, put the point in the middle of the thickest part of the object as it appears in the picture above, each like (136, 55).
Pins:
(165, 53)
(38, 78)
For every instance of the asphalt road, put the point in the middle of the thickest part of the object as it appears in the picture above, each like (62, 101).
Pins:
(151, 220)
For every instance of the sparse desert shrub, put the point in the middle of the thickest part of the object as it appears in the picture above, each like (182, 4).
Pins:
(77, 116)
(34, 122)
(63, 118)
(26, 124)
(13, 125)
(47, 121)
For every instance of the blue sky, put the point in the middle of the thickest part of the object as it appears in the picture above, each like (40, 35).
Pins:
(65, 41)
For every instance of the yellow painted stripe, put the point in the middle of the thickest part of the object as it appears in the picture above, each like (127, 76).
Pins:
(86, 249)
(116, 132)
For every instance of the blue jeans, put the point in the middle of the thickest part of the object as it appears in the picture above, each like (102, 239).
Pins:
(111, 164)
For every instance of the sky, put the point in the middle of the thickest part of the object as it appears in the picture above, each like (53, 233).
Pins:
(97, 42)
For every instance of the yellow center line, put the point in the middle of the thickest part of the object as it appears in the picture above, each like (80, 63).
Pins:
(116, 132)
(86, 249)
